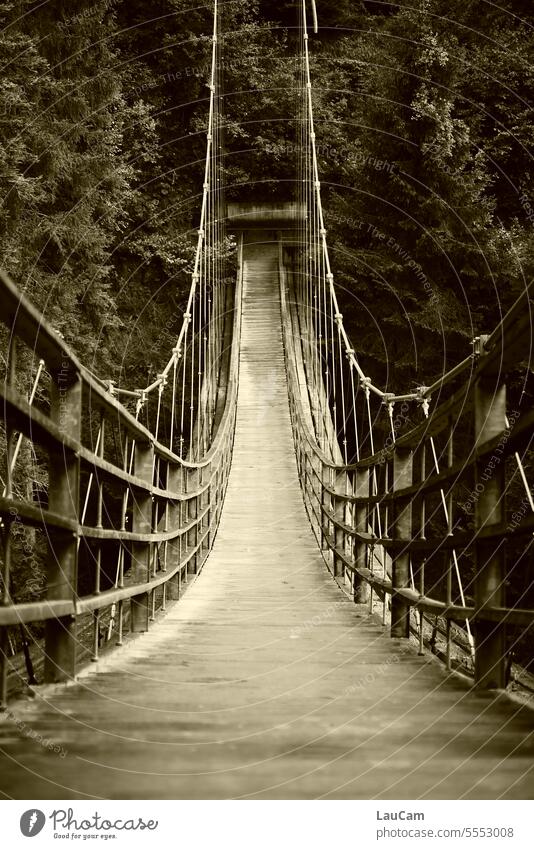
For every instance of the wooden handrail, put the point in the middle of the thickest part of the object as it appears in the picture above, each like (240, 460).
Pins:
(327, 484)
(193, 495)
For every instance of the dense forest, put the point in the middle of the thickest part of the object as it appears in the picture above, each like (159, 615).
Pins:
(425, 139)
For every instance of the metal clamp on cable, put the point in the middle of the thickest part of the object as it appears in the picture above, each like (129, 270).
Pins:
(366, 383)
(141, 401)
(388, 400)
(478, 344)
(423, 399)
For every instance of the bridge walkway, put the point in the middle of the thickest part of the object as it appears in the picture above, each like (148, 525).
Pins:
(265, 681)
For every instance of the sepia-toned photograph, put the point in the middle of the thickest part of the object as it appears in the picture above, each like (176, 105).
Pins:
(267, 457)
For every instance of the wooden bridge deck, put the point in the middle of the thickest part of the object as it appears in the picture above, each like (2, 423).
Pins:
(265, 681)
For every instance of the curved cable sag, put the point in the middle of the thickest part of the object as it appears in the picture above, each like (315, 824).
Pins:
(314, 209)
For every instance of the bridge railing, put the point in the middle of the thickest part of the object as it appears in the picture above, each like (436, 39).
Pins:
(144, 518)
(422, 541)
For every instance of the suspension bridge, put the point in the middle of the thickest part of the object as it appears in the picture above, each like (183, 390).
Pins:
(297, 606)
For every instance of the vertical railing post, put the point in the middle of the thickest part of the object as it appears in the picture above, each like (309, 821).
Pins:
(63, 498)
(401, 531)
(490, 644)
(326, 507)
(174, 485)
(339, 533)
(99, 524)
(142, 524)
(192, 514)
(317, 490)
(5, 600)
(361, 490)
(206, 524)
(218, 494)
(420, 532)
(305, 480)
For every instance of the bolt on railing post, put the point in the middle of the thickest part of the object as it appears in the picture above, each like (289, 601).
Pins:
(402, 530)
(360, 587)
(490, 643)
(63, 499)
(142, 523)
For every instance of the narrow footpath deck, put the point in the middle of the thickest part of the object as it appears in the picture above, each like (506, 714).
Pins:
(265, 681)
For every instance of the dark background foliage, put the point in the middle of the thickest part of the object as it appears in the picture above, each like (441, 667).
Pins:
(425, 139)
